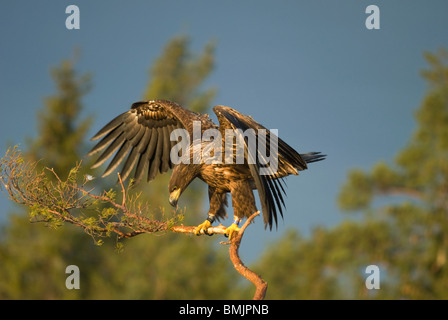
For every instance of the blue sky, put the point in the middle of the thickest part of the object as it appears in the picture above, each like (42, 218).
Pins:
(310, 69)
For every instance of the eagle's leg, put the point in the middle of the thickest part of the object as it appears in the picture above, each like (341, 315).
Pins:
(218, 203)
(234, 227)
(203, 227)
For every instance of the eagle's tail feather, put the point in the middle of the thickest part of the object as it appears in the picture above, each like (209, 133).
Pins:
(312, 156)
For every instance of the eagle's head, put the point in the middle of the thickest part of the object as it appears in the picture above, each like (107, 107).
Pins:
(181, 177)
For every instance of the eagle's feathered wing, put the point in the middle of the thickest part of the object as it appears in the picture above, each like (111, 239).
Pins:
(142, 134)
(269, 184)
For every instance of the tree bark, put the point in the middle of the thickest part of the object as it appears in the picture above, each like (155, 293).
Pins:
(260, 285)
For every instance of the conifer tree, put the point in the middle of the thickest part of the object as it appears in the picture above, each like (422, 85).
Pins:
(417, 182)
(150, 267)
(34, 257)
(405, 235)
(62, 134)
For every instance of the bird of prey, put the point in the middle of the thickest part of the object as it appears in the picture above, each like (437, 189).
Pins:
(142, 138)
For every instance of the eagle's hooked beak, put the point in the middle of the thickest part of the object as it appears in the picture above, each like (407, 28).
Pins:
(174, 196)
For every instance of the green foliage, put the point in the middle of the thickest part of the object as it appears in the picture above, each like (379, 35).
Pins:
(419, 177)
(328, 265)
(404, 229)
(61, 132)
(57, 201)
(420, 170)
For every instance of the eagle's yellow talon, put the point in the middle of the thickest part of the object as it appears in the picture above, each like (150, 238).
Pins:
(230, 230)
(202, 228)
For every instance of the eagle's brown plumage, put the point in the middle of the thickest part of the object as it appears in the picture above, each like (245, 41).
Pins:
(140, 138)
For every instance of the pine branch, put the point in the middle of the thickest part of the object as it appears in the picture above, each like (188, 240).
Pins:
(56, 201)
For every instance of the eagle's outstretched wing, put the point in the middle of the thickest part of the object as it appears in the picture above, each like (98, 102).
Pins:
(142, 134)
(269, 185)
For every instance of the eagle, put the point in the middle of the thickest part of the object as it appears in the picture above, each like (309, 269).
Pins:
(146, 139)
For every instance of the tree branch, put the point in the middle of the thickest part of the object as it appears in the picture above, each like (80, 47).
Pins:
(55, 201)
(260, 285)
(187, 229)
